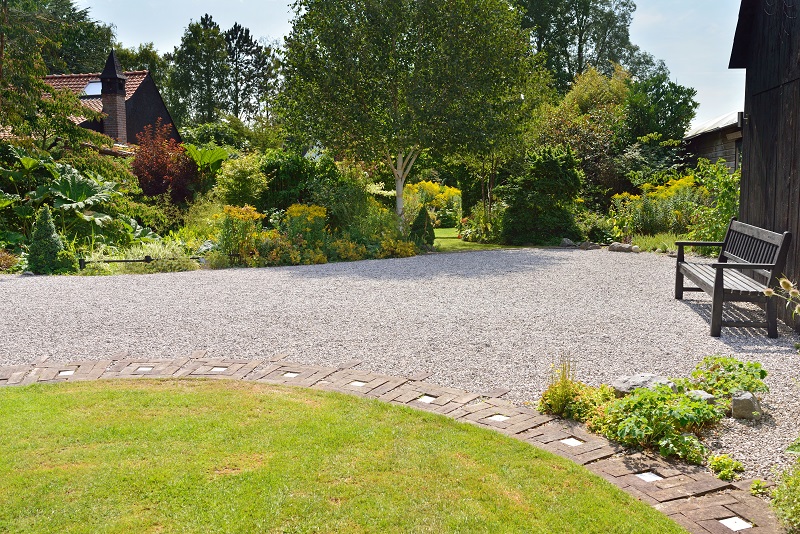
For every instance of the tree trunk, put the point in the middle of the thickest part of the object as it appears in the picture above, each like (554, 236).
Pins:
(401, 167)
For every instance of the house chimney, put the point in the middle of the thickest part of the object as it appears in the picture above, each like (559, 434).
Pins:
(115, 123)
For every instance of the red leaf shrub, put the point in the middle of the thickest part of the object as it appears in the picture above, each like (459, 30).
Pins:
(162, 165)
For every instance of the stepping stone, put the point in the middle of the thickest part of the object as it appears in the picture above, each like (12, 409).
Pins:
(736, 523)
(571, 442)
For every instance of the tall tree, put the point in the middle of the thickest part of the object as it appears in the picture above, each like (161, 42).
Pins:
(28, 106)
(251, 72)
(383, 80)
(577, 34)
(81, 43)
(145, 57)
(197, 81)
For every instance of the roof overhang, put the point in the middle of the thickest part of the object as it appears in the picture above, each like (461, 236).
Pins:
(740, 55)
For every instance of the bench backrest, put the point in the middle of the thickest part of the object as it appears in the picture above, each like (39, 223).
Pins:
(749, 244)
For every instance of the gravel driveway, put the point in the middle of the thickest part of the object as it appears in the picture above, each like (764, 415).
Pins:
(476, 321)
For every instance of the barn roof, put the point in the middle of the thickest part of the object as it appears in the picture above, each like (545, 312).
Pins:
(744, 29)
(77, 82)
(718, 123)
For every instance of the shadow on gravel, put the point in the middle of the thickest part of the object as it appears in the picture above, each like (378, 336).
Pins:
(484, 263)
(754, 340)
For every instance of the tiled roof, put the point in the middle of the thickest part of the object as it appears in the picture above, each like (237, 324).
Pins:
(78, 82)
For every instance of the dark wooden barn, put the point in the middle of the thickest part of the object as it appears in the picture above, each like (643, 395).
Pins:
(129, 101)
(767, 44)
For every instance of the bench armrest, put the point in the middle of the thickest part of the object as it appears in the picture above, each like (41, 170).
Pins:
(733, 265)
(699, 243)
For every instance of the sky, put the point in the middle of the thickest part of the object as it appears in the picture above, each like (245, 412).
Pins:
(693, 37)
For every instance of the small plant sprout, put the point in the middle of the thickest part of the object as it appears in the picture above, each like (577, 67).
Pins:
(725, 467)
(758, 488)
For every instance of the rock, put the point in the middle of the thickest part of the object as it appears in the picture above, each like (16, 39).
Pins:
(588, 245)
(568, 243)
(635, 249)
(28, 273)
(626, 384)
(745, 405)
(619, 247)
(659, 251)
(699, 394)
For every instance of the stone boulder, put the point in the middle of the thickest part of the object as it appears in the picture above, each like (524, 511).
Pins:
(745, 405)
(588, 245)
(626, 384)
(568, 243)
(619, 247)
(701, 395)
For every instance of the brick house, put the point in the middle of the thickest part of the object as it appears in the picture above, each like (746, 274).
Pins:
(129, 100)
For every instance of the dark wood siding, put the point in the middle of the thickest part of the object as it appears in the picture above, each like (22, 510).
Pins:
(715, 145)
(145, 107)
(770, 152)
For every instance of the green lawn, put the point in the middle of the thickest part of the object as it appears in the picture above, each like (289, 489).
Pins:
(447, 241)
(220, 456)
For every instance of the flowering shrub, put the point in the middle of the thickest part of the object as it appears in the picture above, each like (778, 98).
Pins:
(443, 202)
(240, 232)
(395, 248)
(306, 223)
(346, 250)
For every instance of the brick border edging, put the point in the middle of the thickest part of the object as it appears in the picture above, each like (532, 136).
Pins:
(687, 494)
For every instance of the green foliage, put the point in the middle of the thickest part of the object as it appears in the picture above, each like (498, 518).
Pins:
(239, 232)
(482, 226)
(241, 182)
(661, 419)
(721, 376)
(594, 226)
(307, 224)
(541, 201)
(288, 174)
(144, 57)
(208, 160)
(665, 242)
(725, 467)
(252, 73)
(442, 202)
(43, 252)
(758, 488)
(656, 104)
(562, 389)
(711, 221)
(441, 88)
(422, 232)
(668, 208)
(197, 82)
(220, 133)
(786, 499)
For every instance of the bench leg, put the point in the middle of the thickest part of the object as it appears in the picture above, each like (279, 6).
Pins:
(716, 305)
(678, 283)
(772, 317)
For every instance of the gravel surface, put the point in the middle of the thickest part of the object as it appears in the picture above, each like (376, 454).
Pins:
(476, 321)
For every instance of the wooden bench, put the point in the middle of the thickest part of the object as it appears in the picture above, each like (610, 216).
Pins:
(751, 260)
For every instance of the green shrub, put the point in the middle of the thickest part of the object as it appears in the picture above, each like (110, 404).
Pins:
(711, 221)
(306, 224)
(786, 499)
(722, 376)
(594, 226)
(661, 419)
(239, 233)
(562, 389)
(541, 202)
(43, 252)
(482, 226)
(289, 175)
(422, 232)
(241, 182)
(725, 467)
(665, 242)
(443, 202)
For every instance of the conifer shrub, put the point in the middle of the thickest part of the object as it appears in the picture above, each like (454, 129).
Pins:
(46, 254)
(422, 232)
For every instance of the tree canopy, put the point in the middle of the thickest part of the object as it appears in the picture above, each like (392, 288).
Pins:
(384, 80)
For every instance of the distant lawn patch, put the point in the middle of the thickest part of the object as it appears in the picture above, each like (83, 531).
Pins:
(447, 241)
(219, 456)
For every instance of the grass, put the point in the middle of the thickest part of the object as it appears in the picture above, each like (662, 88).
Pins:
(218, 456)
(650, 243)
(447, 241)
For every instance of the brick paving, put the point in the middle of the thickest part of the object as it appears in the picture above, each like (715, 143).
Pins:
(687, 494)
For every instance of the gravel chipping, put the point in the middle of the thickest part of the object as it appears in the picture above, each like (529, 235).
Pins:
(475, 321)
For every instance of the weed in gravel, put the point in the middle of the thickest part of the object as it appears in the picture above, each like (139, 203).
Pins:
(725, 467)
